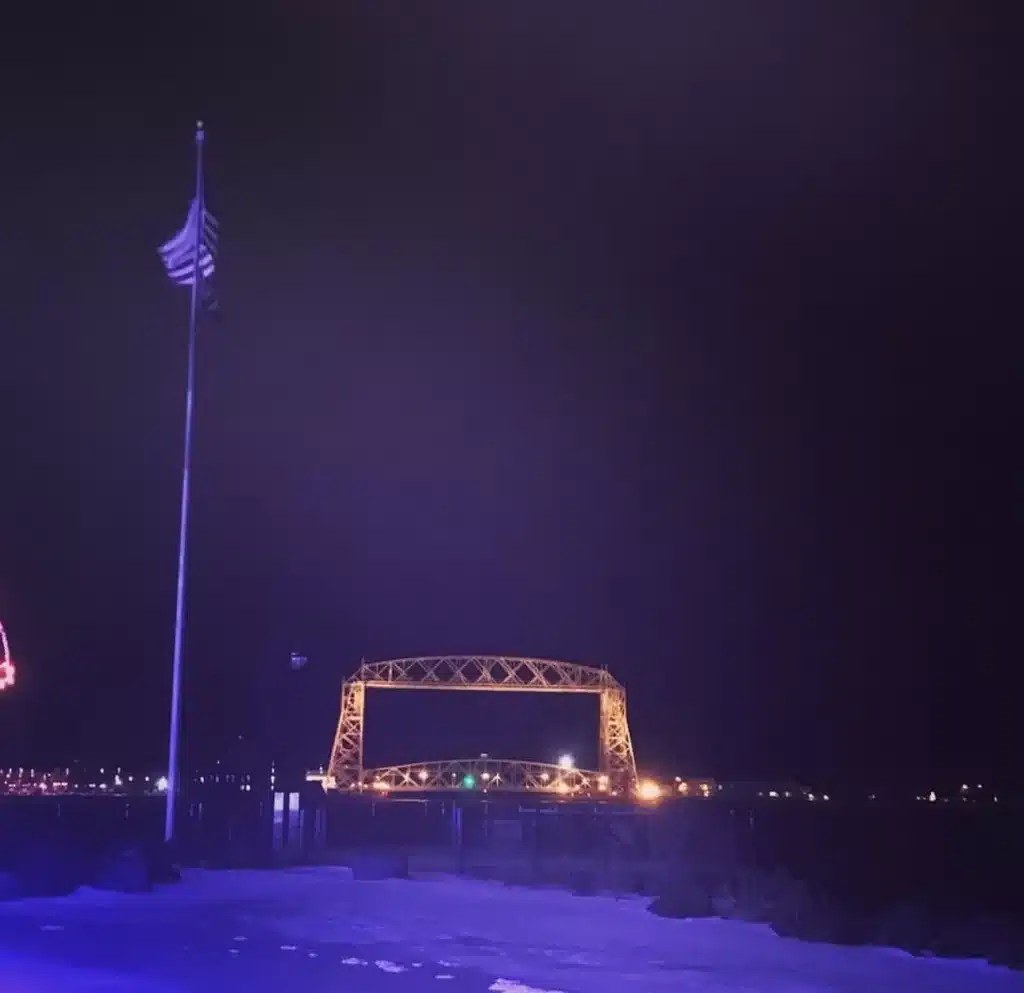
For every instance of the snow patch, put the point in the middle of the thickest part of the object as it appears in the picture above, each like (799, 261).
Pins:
(24, 975)
(549, 940)
(511, 986)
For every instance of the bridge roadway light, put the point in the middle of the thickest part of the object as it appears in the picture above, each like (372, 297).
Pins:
(648, 790)
(566, 762)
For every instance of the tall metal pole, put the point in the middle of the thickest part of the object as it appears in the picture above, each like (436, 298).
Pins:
(179, 611)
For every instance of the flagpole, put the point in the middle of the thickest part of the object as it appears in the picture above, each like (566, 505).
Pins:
(173, 744)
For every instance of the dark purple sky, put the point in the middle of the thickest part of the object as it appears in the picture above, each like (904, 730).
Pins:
(671, 337)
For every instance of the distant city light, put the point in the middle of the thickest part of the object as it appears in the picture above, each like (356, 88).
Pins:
(80, 780)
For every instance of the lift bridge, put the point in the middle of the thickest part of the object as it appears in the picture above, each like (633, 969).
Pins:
(616, 773)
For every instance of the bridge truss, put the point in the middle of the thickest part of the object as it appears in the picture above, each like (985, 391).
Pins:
(487, 673)
(487, 775)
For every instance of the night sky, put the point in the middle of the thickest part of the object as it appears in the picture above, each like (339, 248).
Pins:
(679, 338)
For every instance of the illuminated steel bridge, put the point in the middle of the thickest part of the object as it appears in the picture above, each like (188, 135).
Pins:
(616, 771)
(487, 775)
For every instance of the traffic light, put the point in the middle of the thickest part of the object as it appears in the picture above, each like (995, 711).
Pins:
(469, 781)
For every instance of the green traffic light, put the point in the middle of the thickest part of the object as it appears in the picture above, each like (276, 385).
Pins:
(469, 782)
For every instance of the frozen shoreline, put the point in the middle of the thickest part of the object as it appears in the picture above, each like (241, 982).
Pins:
(315, 928)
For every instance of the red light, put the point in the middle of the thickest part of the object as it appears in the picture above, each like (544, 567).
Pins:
(6, 665)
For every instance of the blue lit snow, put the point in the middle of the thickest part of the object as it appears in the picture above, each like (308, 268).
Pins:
(317, 930)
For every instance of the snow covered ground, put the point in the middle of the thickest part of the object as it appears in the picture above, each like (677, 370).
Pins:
(317, 930)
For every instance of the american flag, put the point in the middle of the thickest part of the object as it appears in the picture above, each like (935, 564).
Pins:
(179, 254)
